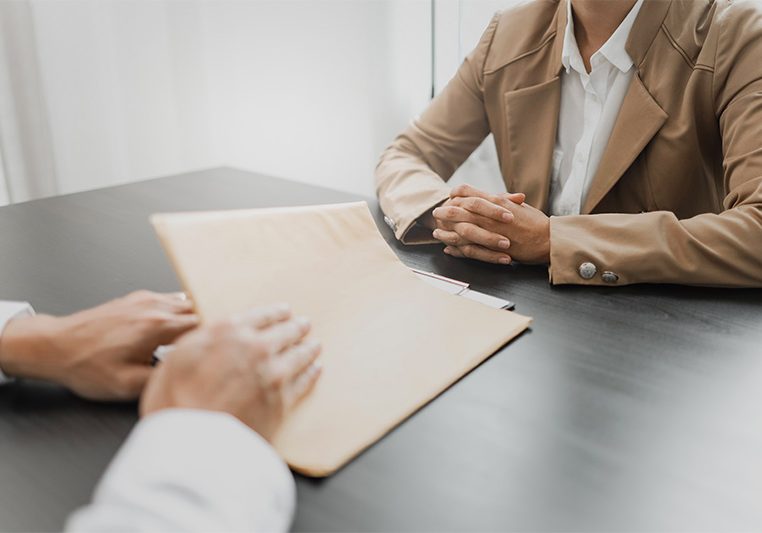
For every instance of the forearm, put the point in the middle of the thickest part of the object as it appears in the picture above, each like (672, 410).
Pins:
(709, 249)
(408, 190)
(411, 174)
(27, 346)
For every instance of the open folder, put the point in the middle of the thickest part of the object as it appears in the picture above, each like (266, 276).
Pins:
(391, 342)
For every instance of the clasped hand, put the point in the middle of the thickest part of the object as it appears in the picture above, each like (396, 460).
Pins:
(495, 228)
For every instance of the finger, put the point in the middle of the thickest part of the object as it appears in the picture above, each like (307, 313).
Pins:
(177, 302)
(451, 238)
(175, 326)
(516, 197)
(485, 208)
(466, 190)
(480, 253)
(297, 359)
(471, 233)
(454, 251)
(284, 334)
(448, 216)
(453, 213)
(302, 385)
(265, 316)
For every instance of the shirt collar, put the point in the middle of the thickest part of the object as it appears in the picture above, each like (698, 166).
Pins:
(613, 49)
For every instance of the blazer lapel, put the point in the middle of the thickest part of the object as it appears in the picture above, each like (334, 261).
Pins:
(640, 116)
(532, 119)
(638, 121)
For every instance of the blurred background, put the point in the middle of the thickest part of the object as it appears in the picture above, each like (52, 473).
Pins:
(99, 92)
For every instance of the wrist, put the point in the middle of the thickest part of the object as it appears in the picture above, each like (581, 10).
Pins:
(25, 344)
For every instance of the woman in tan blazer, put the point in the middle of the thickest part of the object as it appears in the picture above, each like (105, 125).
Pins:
(670, 191)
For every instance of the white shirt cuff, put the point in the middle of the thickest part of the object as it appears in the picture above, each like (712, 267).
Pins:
(191, 470)
(9, 311)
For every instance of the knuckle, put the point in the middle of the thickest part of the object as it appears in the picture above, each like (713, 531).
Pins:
(141, 295)
(259, 346)
(154, 318)
(277, 379)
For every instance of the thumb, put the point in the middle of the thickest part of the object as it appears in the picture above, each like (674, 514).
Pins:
(516, 197)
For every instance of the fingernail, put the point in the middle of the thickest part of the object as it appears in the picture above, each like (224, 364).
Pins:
(313, 344)
(302, 321)
(504, 261)
(315, 368)
(447, 250)
(508, 217)
(436, 234)
(505, 244)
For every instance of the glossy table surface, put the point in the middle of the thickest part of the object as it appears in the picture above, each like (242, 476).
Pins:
(631, 408)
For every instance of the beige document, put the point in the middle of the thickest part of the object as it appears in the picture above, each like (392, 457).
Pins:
(391, 342)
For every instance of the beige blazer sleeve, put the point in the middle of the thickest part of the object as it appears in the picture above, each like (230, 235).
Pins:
(722, 249)
(411, 174)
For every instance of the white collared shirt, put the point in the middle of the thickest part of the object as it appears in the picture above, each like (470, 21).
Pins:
(590, 104)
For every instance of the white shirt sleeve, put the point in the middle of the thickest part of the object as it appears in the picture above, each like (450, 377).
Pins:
(191, 470)
(9, 311)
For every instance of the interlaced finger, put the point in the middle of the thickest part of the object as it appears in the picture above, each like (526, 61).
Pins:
(480, 253)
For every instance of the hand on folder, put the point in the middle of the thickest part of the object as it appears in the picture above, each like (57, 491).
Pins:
(255, 366)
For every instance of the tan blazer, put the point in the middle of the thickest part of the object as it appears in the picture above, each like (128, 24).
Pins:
(677, 197)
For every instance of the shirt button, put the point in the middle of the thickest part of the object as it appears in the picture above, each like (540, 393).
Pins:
(609, 277)
(587, 270)
(390, 223)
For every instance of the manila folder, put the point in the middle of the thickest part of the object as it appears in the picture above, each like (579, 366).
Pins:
(391, 342)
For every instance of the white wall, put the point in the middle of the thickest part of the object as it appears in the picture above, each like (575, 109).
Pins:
(307, 89)
(97, 92)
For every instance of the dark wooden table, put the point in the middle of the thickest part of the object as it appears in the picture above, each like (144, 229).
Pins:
(635, 408)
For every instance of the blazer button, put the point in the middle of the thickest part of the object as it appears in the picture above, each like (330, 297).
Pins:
(609, 277)
(390, 223)
(587, 270)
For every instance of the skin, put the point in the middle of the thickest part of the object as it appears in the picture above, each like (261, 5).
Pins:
(595, 21)
(256, 367)
(501, 228)
(103, 353)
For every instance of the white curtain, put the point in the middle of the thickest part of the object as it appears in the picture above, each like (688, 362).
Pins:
(98, 92)
(26, 151)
